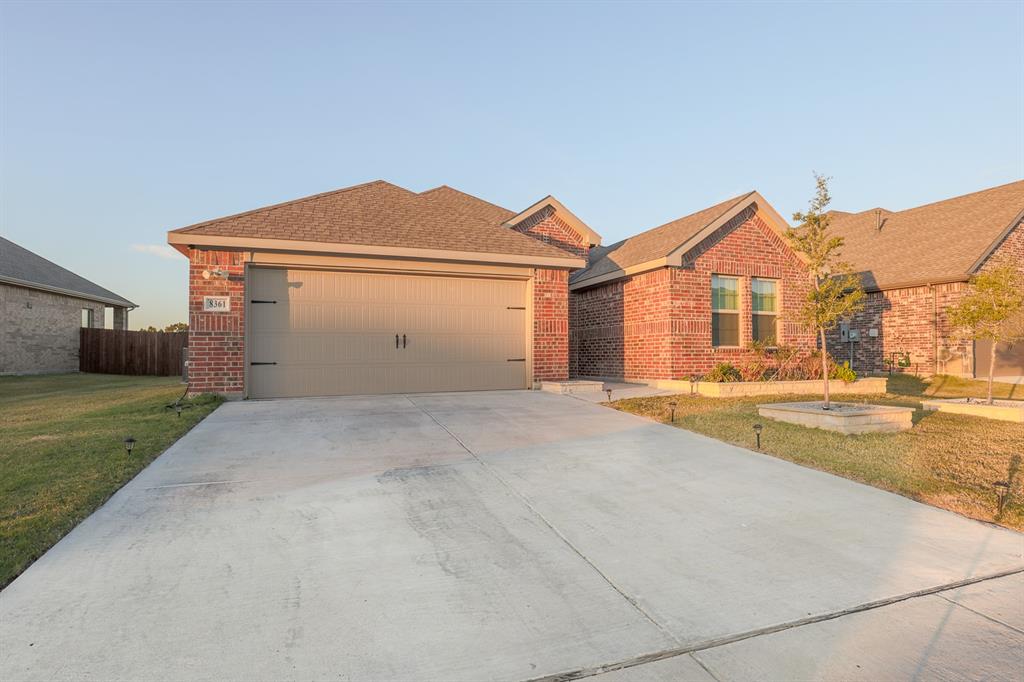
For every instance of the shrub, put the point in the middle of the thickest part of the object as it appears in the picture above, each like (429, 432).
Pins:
(842, 372)
(723, 372)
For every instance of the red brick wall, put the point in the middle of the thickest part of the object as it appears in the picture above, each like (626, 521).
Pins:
(550, 229)
(216, 341)
(914, 320)
(657, 324)
(550, 325)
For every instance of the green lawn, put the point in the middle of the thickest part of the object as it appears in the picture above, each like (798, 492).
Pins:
(949, 461)
(62, 455)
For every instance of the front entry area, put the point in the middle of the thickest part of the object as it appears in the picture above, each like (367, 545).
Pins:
(325, 333)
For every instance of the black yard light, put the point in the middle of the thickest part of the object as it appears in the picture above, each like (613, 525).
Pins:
(609, 392)
(672, 408)
(757, 433)
(177, 405)
(1002, 492)
(693, 384)
(129, 444)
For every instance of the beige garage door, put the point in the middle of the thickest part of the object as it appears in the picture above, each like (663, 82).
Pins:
(316, 332)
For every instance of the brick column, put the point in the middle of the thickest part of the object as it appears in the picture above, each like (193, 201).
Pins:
(216, 340)
(550, 325)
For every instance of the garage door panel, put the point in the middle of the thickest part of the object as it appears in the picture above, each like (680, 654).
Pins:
(333, 333)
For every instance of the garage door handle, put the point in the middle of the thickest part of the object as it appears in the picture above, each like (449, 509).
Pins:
(403, 340)
(262, 363)
(396, 340)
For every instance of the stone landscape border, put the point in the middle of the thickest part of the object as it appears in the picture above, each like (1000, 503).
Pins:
(847, 418)
(1003, 410)
(737, 389)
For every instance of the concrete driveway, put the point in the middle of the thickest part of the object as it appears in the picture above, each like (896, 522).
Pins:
(508, 536)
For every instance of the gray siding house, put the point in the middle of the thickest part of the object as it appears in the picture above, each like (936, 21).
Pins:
(42, 307)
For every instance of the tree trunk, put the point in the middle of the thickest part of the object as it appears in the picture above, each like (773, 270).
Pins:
(991, 369)
(824, 368)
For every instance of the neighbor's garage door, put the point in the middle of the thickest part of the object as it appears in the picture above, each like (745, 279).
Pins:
(1009, 359)
(346, 333)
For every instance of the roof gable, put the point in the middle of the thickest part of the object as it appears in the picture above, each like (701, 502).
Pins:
(942, 241)
(377, 214)
(587, 236)
(667, 244)
(20, 266)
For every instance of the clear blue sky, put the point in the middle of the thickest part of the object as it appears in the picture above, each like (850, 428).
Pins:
(121, 121)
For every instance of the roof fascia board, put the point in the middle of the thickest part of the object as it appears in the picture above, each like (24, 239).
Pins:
(995, 243)
(124, 303)
(178, 240)
(592, 238)
(910, 284)
(619, 274)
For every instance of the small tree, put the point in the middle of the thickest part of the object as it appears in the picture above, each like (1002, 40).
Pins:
(836, 292)
(991, 310)
(176, 327)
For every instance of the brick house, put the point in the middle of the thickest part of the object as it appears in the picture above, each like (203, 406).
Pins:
(42, 307)
(674, 301)
(378, 289)
(914, 265)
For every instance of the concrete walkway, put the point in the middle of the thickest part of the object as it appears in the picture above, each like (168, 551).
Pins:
(505, 536)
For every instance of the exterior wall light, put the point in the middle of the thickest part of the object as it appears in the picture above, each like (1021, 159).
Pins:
(757, 433)
(129, 444)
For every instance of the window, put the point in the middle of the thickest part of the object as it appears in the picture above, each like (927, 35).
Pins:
(764, 303)
(87, 317)
(725, 311)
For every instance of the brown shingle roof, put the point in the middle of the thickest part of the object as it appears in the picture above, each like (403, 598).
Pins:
(932, 243)
(653, 244)
(381, 214)
(468, 204)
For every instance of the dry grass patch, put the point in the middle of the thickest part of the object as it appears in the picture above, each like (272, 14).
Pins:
(949, 461)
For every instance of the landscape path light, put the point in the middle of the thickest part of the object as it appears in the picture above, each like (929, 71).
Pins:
(1002, 492)
(609, 392)
(757, 433)
(129, 444)
(672, 407)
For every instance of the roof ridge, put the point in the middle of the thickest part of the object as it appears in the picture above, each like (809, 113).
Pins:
(943, 201)
(471, 196)
(290, 202)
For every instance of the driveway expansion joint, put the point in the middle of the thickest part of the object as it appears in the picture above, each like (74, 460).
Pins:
(694, 649)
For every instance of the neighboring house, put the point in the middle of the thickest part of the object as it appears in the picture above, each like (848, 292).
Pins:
(674, 301)
(42, 307)
(915, 265)
(377, 289)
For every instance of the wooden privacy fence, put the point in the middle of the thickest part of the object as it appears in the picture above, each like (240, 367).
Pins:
(117, 351)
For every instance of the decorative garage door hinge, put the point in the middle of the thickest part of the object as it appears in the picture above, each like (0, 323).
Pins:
(262, 363)
(254, 301)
